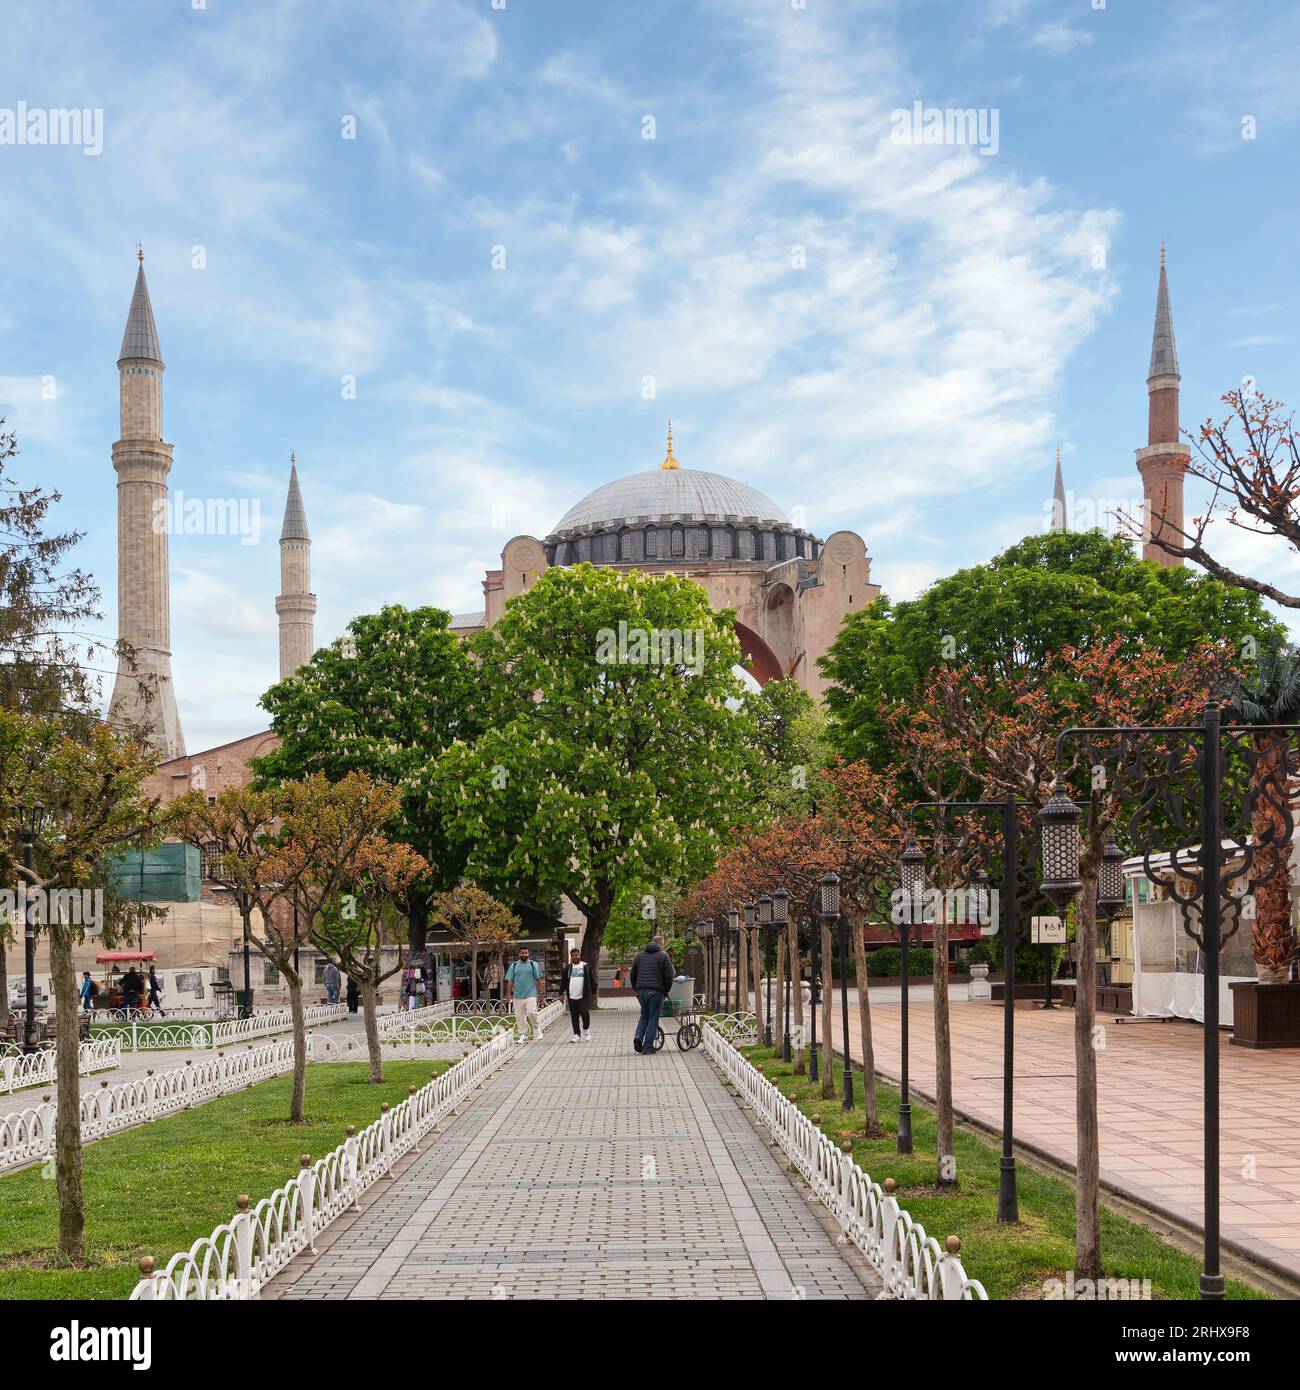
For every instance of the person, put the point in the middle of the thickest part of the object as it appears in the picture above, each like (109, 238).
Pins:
(618, 978)
(493, 980)
(579, 986)
(523, 983)
(88, 991)
(132, 988)
(651, 978)
(155, 992)
(354, 995)
(332, 982)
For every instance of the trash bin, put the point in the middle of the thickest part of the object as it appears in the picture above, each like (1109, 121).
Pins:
(683, 992)
(244, 1003)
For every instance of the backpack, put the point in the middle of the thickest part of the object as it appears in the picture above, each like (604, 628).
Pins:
(94, 989)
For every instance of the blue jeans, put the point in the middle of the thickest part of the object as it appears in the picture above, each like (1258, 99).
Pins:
(331, 994)
(652, 1000)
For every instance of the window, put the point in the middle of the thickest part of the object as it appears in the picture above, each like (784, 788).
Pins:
(211, 860)
(625, 545)
(319, 976)
(270, 975)
(651, 543)
(679, 540)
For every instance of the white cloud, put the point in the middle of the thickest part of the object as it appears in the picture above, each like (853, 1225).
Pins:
(1057, 36)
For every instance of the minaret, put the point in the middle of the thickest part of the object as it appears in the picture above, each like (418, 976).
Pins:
(296, 604)
(143, 696)
(1163, 462)
(1058, 497)
(670, 461)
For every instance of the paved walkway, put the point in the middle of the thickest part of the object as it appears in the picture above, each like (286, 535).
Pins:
(1150, 1097)
(584, 1171)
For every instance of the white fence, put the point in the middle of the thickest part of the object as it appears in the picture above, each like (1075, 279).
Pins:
(242, 1254)
(19, 1069)
(237, 1030)
(406, 1021)
(28, 1135)
(911, 1263)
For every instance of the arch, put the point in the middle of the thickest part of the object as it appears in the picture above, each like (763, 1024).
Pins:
(762, 661)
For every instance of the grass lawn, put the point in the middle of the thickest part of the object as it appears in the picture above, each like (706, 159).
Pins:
(1010, 1261)
(155, 1189)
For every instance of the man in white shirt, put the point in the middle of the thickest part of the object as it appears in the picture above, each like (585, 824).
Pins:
(579, 988)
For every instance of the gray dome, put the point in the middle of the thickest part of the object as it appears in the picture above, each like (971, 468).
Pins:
(669, 492)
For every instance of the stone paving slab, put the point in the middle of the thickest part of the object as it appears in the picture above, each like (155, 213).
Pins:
(585, 1171)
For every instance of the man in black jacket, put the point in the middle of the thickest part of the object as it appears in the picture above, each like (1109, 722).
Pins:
(652, 977)
(579, 988)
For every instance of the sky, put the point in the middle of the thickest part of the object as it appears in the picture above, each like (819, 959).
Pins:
(467, 257)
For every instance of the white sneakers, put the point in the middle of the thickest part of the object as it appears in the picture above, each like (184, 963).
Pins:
(586, 1037)
(575, 1038)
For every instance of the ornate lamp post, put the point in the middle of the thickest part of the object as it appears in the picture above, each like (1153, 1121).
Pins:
(829, 888)
(780, 925)
(912, 871)
(1156, 768)
(765, 924)
(750, 911)
(706, 935)
(733, 956)
(29, 827)
(814, 954)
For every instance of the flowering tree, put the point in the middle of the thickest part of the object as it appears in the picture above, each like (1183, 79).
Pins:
(476, 918)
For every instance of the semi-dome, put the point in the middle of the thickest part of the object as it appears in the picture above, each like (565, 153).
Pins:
(676, 494)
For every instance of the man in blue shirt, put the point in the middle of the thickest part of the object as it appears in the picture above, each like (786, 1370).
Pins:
(525, 987)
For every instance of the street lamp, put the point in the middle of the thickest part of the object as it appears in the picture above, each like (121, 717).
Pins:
(911, 865)
(29, 827)
(780, 926)
(829, 887)
(706, 935)
(814, 958)
(765, 921)
(733, 954)
(750, 911)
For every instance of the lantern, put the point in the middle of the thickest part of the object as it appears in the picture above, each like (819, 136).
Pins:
(1060, 822)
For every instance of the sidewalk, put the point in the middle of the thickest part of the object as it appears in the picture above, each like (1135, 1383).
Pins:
(581, 1172)
(1150, 1097)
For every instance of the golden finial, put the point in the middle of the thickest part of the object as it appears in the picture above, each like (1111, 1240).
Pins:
(139, 252)
(1162, 255)
(670, 461)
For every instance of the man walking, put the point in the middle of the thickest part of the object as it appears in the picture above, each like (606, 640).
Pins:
(579, 987)
(523, 983)
(651, 978)
(332, 982)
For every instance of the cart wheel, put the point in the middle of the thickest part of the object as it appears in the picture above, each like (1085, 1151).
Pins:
(688, 1036)
(659, 1041)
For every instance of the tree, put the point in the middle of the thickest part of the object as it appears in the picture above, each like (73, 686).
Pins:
(91, 784)
(1045, 594)
(354, 928)
(1270, 694)
(785, 746)
(476, 918)
(610, 755)
(1004, 739)
(385, 700)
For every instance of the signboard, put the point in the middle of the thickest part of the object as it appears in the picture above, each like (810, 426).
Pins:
(1047, 931)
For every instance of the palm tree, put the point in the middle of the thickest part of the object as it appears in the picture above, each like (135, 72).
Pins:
(1271, 695)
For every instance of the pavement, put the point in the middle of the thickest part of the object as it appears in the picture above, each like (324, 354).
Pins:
(1150, 1108)
(584, 1171)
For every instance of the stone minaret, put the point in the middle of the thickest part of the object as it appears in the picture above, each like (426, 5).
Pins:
(143, 695)
(1163, 463)
(1059, 522)
(296, 604)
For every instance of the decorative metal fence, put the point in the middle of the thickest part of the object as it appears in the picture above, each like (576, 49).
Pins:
(739, 1029)
(20, 1069)
(405, 1021)
(911, 1263)
(236, 1030)
(28, 1135)
(242, 1254)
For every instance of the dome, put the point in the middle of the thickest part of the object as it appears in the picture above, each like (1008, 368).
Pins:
(679, 493)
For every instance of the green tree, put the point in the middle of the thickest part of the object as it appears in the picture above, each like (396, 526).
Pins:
(611, 754)
(786, 746)
(1040, 597)
(385, 700)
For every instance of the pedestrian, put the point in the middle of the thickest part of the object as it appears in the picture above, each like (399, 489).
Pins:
(651, 978)
(132, 988)
(618, 978)
(332, 982)
(579, 987)
(155, 992)
(493, 980)
(88, 991)
(354, 995)
(524, 983)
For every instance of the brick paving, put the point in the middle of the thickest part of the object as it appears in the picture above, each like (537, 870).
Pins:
(1150, 1105)
(584, 1171)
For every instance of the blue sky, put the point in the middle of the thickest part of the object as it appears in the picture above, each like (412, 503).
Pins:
(956, 314)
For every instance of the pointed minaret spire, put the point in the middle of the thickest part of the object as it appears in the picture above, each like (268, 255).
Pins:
(296, 604)
(143, 699)
(670, 461)
(1058, 497)
(1163, 462)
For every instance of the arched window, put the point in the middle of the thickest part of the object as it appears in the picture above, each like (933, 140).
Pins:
(679, 540)
(625, 546)
(651, 543)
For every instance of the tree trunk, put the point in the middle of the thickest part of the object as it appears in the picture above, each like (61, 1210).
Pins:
(778, 998)
(473, 975)
(756, 970)
(4, 984)
(417, 921)
(1087, 1214)
(945, 1158)
(742, 972)
(67, 1119)
(594, 937)
(297, 1103)
(373, 1048)
(864, 1024)
(796, 1000)
(828, 1011)
(1273, 942)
